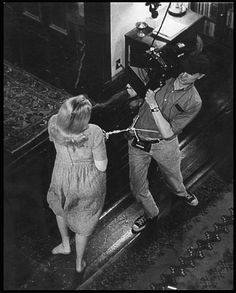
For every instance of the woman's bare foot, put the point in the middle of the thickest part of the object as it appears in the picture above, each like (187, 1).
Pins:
(80, 266)
(61, 249)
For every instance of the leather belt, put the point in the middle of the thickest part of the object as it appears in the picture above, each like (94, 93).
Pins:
(158, 139)
(153, 141)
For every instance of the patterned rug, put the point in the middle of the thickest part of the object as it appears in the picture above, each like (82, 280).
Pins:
(28, 104)
(191, 250)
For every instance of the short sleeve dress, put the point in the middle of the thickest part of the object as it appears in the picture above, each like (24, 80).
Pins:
(77, 189)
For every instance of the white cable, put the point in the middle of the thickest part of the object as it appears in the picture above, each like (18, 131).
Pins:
(130, 129)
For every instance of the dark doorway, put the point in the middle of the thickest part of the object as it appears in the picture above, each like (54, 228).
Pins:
(64, 43)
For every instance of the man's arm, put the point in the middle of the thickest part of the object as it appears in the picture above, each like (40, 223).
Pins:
(162, 124)
(114, 100)
(169, 129)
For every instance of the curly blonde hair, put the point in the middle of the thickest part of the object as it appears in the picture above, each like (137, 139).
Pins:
(72, 119)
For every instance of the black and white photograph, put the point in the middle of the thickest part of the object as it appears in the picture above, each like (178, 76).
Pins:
(118, 146)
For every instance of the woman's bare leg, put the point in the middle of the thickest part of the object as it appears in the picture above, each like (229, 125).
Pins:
(80, 244)
(64, 247)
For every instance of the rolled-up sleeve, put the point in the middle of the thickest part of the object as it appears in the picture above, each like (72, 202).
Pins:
(182, 119)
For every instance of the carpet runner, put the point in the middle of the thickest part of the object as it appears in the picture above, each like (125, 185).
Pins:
(28, 104)
(166, 254)
(191, 249)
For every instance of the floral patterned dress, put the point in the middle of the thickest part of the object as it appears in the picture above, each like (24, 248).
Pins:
(77, 190)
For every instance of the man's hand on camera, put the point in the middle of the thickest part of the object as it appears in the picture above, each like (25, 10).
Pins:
(135, 103)
(150, 98)
(132, 93)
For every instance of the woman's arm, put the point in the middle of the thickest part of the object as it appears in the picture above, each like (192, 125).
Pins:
(101, 165)
(99, 150)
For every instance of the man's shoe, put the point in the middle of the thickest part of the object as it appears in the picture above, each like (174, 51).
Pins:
(139, 224)
(191, 199)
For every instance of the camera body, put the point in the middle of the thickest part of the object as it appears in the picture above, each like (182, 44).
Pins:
(164, 64)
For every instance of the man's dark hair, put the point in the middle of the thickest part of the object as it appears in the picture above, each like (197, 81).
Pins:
(198, 63)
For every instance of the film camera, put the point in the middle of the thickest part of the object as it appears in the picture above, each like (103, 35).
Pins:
(161, 64)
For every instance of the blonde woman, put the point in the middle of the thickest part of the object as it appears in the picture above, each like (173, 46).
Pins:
(78, 184)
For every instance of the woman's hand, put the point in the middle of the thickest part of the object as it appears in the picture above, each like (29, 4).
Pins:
(105, 134)
(150, 98)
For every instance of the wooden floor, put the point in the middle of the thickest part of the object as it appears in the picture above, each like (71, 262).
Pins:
(30, 230)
